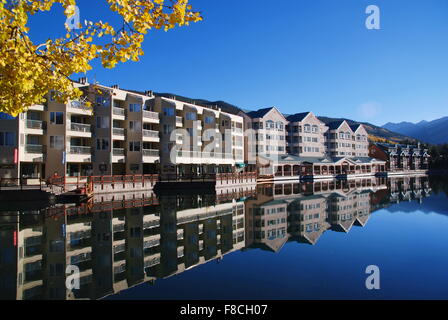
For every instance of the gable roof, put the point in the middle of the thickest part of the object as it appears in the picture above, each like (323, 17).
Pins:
(262, 112)
(297, 117)
(356, 127)
(336, 124)
(259, 113)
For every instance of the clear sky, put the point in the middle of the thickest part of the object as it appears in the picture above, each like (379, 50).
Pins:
(298, 55)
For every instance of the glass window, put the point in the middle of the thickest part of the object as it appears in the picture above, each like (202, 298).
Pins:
(102, 144)
(57, 117)
(168, 111)
(135, 107)
(191, 116)
(134, 146)
(57, 142)
(102, 122)
(209, 120)
(135, 125)
(7, 139)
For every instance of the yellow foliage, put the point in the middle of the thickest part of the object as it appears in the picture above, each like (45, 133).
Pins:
(28, 71)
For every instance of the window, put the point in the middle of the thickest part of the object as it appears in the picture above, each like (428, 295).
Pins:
(167, 129)
(57, 246)
(307, 128)
(57, 142)
(135, 107)
(102, 101)
(102, 144)
(135, 126)
(168, 111)
(7, 139)
(102, 122)
(191, 116)
(134, 146)
(209, 120)
(57, 117)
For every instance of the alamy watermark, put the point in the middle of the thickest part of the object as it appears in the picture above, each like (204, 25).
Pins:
(373, 21)
(72, 281)
(373, 280)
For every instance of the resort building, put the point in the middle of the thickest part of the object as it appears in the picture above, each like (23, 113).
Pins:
(344, 140)
(268, 134)
(124, 133)
(306, 135)
(198, 140)
(401, 158)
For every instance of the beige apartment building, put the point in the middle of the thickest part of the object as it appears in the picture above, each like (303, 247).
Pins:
(306, 135)
(124, 132)
(198, 140)
(267, 130)
(348, 141)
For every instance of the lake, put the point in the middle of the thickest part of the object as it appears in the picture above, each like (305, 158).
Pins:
(281, 241)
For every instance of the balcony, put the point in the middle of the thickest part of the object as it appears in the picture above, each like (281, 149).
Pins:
(150, 115)
(118, 131)
(34, 148)
(80, 150)
(80, 127)
(150, 135)
(150, 153)
(119, 112)
(79, 154)
(79, 107)
(118, 155)
(119, 152)
(80, 130)
(35, 124)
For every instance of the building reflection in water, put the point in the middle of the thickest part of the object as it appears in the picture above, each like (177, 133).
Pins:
(120, 243)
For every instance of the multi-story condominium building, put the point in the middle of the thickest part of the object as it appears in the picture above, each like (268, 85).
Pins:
(306, 135)
(346, 141)
(198, 140)
(361, 141)
(401, 157)
(268, 134)
(124, 132)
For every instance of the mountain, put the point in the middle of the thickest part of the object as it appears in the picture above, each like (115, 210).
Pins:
(428, 131)
(375, 131)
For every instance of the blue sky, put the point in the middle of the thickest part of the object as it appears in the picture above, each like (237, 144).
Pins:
(298, 55)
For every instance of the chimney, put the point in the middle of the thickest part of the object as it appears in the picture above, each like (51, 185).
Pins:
(149, 93)
(83, 80)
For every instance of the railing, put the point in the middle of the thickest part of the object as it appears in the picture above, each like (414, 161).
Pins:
(78, 105)
(34, 148)
(80, 127)
(34, 124)
(150, 133)
(118, 131)
(118, 111)
(21, 182)
(205, 155)
(80, 150)
(150, 153)
(150, 115)
(118, 152)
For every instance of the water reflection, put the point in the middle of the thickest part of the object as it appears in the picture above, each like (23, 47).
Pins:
(121, 241)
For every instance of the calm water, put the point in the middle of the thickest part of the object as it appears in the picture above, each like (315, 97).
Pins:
(283, 241)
